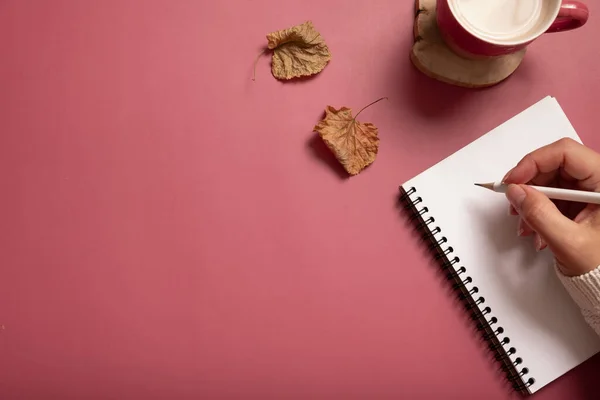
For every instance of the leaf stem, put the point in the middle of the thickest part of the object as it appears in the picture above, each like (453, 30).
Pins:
(256, 62)
(369, 105)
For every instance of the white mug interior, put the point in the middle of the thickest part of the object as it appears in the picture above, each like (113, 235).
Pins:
(505, 22)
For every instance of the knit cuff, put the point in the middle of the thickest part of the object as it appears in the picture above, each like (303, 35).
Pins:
(584, 289)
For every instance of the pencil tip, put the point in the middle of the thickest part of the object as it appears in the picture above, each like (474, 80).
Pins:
(486, 185)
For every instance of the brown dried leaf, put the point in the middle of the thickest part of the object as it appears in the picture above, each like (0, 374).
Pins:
(298, 51)
(355, 144)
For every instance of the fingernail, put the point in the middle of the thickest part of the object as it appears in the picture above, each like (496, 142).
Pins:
(524, 228)
(516, 195)
(507, 175)
(520, 232)
(539, 244)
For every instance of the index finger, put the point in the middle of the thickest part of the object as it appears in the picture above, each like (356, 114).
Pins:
(579, 162)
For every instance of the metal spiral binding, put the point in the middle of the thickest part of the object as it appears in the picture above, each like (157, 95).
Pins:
(468, 292)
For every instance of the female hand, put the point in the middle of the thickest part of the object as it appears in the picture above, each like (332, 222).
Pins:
(570, 230)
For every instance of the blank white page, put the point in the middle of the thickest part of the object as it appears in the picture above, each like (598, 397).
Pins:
(519, 284)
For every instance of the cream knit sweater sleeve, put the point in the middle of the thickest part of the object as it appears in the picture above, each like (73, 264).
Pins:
(585, 291)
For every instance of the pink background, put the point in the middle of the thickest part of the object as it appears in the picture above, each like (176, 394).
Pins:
(172, 229)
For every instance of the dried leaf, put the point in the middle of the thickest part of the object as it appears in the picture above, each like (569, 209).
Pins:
(355, 144)
(298, 51)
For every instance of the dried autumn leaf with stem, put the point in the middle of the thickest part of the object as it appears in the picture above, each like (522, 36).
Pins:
(297, 51)
(354, 144)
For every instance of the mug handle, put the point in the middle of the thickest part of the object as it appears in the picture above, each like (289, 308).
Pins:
(573, 14)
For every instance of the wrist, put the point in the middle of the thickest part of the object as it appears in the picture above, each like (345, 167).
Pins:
(574, 267)
(583, 288)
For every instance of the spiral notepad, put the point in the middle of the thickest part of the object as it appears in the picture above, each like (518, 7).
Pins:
(512, 293)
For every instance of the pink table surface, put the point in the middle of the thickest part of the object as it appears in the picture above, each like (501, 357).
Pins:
(173, 230)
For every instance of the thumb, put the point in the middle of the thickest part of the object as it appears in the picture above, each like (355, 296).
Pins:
(541, 214)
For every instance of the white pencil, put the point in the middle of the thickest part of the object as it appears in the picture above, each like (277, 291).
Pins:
(552, 193)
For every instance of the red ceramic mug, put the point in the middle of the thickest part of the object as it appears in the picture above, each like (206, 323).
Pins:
(487, 28)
